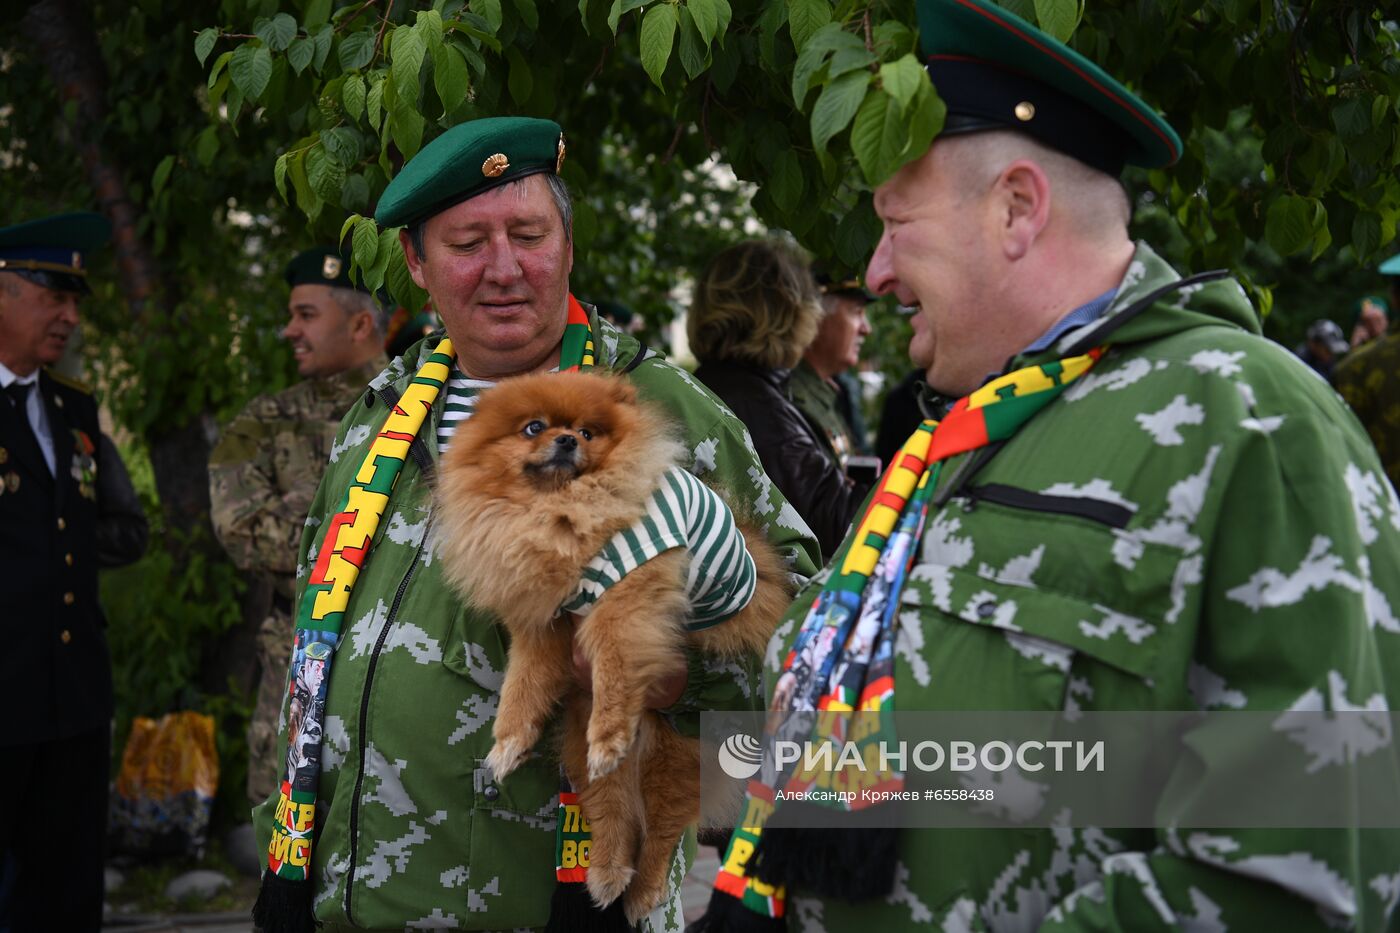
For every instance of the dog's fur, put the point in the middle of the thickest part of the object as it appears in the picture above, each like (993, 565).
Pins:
(518, 518)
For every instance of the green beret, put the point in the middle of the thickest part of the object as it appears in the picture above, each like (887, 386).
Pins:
(1391, 266)
(50, 251)
(467, 160)
(996, 71)
(320, 265)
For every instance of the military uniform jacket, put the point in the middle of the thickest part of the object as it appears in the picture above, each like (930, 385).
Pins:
(818, 400)
(268, 462)
(411, 830)
(1197, 524)
(55, 673)
(1369, 379)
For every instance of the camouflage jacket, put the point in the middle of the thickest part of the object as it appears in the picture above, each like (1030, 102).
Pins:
(411, 831)
(265, 468)
(817, 400)
(1369, 379)
(1199, 524)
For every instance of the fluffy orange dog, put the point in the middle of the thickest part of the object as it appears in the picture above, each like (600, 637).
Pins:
(533, 486)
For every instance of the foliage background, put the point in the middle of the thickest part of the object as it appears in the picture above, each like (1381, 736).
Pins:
(223, 135)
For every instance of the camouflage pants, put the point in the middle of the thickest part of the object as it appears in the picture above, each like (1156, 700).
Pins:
(265, 756)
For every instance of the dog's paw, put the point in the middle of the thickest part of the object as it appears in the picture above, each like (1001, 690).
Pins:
(604, 757)
(505, 756)
(607, 882)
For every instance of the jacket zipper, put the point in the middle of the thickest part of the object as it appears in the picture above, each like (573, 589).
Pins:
(1095, 510)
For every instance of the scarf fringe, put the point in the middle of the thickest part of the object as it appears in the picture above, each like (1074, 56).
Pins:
(571, 910)
(283, 906)
(728, 915)
(853, 864)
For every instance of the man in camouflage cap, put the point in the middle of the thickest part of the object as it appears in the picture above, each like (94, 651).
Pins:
(264, 471)
(816, 386)
(412, 830)
(1196, 523)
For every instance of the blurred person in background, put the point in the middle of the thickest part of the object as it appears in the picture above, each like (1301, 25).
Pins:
(756, 310)
(265, 469)
(1322, 347)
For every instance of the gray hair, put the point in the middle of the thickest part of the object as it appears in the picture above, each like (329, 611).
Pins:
(558, 191)
(353, 302)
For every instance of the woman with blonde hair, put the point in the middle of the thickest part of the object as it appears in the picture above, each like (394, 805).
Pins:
(756, 309)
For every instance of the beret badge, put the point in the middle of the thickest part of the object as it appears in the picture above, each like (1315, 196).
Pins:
(330, 267)
(559, 159)
(495, 165)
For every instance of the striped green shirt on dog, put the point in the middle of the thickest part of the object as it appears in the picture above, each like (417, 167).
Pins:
(685, 513)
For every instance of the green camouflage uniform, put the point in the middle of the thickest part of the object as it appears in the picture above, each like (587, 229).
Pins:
(262, 476)
(817, 400)
(411, 830)
(1369, 379)
(1258, 569)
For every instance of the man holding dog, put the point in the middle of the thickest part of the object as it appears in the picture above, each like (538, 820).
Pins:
(1190, 522)
(410, 828)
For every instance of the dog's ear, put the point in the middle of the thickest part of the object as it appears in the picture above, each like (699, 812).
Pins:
(621, 390)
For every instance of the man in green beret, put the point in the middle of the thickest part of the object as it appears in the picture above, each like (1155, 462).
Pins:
(412, 829)
(1139, 504)
(67, 508)
(264, 470)
(1368, 378)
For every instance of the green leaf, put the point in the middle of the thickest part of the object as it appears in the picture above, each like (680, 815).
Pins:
(489, 10)
(219, 64)
(529, 15)
(857, 233)
(204, 43)
(1288, 226)
(374, 102)
(450, 78)
(317, 12)
(520, 79)
(354, 196)
(406, 126)
(706, 16)
(206, 146)
(902, 79)
(690, 50)
(307, 199)
(619, 8)
(322, 38)
(1322, 236)
(278, 32)
(301, 53)
(924, 120)
(658, 32)
(397, 277)
(324, 174)
(279, 175)
(877, 135)
(251, 69)
(388, 245)
(830, 38)
(352, 95)
(723, 14)
(162, 172)
(364, 245)
(345, 228)
(343, 145)
(1352, 117)
(1058, 17)
(837, 103)
(428, 26)
(406, 53)
(1365, 234)
(805, 17)
(785, 183)
(356, 51)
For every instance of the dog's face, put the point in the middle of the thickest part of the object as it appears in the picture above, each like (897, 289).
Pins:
(546, 430)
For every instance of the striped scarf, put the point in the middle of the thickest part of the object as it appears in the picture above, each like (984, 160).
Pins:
(284, 900)
(842, 660)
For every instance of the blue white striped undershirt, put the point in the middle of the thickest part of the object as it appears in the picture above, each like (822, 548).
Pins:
(682, 513)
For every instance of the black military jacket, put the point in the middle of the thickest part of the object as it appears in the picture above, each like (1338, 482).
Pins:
(55, 674)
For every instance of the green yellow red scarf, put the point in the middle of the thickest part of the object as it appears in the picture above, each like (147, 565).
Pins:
(842, 660)
(284, 900)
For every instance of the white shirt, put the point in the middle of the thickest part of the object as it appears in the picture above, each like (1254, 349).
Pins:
(34, 410)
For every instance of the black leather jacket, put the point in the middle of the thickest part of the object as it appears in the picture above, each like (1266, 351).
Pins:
(789, 447)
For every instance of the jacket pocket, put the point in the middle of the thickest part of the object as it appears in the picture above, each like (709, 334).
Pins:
(1106, 513)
